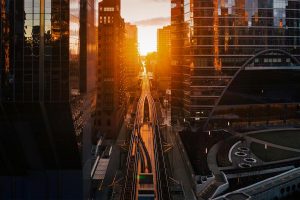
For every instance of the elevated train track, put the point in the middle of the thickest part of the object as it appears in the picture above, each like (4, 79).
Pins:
(146, 155)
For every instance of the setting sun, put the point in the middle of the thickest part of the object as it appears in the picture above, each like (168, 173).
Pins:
(147, 39)
(150, 99)
(140, 13)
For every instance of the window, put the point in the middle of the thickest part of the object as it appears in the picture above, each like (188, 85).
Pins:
(109, 9)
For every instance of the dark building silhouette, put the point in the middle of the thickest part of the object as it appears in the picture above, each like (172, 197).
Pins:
(235, 63)
(177, 30)
(39, 71)
(111, 101)
(88, 45)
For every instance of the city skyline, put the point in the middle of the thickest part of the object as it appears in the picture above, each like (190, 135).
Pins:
(148, 15)
(150, 99)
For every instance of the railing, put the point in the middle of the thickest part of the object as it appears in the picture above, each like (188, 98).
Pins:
(129, 186)
(162, 175)
(136, 142)
(129, 190)
(145, 154)
(161, 171)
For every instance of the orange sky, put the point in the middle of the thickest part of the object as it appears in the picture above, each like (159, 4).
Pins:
(148, 15)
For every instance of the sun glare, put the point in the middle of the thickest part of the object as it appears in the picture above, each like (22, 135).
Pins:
(147, 39)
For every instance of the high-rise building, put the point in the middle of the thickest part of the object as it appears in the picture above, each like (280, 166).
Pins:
(131, 58)
(88, 45)
(163, 70)
(164, 50)
(84, 93)
(151, 62)
(239, 61)
(111, 101)
(4, 47)
(40, 57)
(85, 102)
(177, 31)
(39, 69)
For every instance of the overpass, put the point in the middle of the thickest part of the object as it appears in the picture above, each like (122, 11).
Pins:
(146, 175)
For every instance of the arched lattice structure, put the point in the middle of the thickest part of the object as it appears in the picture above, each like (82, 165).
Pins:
(266, 51)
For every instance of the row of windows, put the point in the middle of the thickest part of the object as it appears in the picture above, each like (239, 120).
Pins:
(261, 4)
(288, 189)
(233, 50)
(235, 42)
(60, 38)
(106, 19)
(107, 9)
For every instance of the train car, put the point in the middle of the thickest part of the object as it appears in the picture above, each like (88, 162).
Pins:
(145, 178)
(146, 194)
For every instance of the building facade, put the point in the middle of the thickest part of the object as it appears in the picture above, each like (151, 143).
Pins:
(88, 45)
(131, 58)
(225, 44)
(163, 69)
(177, 48)
(40, 58)
(39, 69)
(164, 50)
(110, 108)
(4, 46)
(83, 94)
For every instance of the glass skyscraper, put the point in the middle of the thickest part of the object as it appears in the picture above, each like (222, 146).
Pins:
(43, 50)
(39, 69)
(235, 57)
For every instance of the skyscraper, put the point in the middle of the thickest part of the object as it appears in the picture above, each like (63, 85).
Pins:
(111, 101)
(88, 45)
(163, 70)
(225, 44)
(4, 47)
(84, 93)
(177, 40)
(164, 50)
(40, 43)
(131, 58)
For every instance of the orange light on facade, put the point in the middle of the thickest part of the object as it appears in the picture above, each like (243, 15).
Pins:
(6, 31)
(256, 17)
(217, 60)
(226, 33)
